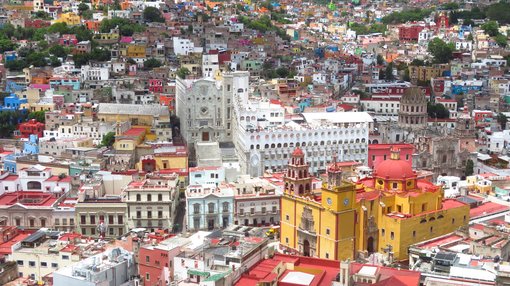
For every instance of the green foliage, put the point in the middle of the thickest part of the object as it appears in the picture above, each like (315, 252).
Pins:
(42, 15)
(37, 115)
(437, 111)
(499, 12)
(263, 24)
(406, 16)
(97, 54)
(7, 45)
(87, 15)
(280, 18)
(58, 51)
(16, 65)
(501, 40)
(108, 139)
(82, 7)
(441, 51)
(151, 14)
(282, 72)
(367, 29)
(470, 166)
(380, 60)
(450, 6)
(55, 62)
(388, 72)
(126, 28)
(9, 120)
(152, 63)
(466, 15)
(502, 120)
(183, 72)
(491, 28)
(361, 93)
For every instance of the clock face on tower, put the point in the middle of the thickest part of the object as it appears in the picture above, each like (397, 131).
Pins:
(329, 201)
(204, 110)
(346, 202)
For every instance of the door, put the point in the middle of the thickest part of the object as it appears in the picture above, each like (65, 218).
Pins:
(370, 245)
(254, 222)
(225, 221)
(306, 248)
(205, 136)
(210, 224)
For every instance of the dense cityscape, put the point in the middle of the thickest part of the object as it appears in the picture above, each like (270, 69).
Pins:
(250, 142)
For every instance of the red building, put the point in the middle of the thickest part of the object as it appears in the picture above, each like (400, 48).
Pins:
(482, 117)
(156, 85)
(36, 23)
(31, 127)
(396, 92)
(68, 40)
(409, 33)
(156, 259)
(442, 21)
(378, 153)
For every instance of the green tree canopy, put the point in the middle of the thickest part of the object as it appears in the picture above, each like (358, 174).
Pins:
(470, 166)
(491, 28)
(37, 115)
(7, 45)
(183, 72)
(108, 139)
(151, 14)
(502, 120)
(406, 16)
(499, 12)
(501, 40)
(58, 51)
(152, 63)
(437, 110)
(441, 51)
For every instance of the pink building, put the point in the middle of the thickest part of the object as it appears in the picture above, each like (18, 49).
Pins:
(68, 40)
(156, 85)
(156, 260)
(378, 153)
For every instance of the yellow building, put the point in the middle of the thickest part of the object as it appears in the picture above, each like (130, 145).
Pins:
(71, 19)
(129, 139)
(384, 213)
(317, 223)
(425, 73)
(135, 51)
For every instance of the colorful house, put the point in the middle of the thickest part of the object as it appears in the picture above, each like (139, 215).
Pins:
(70, 18)
(31, 127)
(68, 40)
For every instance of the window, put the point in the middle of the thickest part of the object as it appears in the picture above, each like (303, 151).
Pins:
(31, 263)
(44, 264)
(414, 233)
(252, 210)
(138, 197)
(57, 221)
(65, 257)
(431, 229)
(210, 207)
(149, 197)
(287, 217)
(120, 219)
(423, 207)
(160, 197)
(196, 208)
(147, 259)
(110, 219)
(327, 255)
(287, 240)
(83, 230)
(71, 221)
(138, 214)
(160, 214)
(20, 262)
(383, 232)
(225, 207)
(392, 235)
(54, 265)
(92, 219)
(149, 214)
(327, 231)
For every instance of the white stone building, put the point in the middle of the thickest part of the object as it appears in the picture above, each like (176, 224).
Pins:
(94, 73)
(151, 202)
(183, 47)
(210, 65)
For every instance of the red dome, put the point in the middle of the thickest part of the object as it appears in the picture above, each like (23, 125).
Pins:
(394, 169)
(298, 152)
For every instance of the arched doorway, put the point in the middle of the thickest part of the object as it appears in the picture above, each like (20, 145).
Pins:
(370, 245)
(306, 248)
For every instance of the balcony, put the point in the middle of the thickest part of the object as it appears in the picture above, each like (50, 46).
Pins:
(146, 217)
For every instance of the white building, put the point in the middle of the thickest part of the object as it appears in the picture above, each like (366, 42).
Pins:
(94, 73)
(320, 135)
(114, 267)
(257, 202)
(151, 202)
(212, 175)
(497, 141)
(205, 107)
(381, 106)
(209, 206)
(210, 65)
(184, 47)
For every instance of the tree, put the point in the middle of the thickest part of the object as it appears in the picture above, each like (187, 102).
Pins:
(441, 51)
(42, 15)
(82, 8)
(183, 72)
(491, 28)
(499, 12)
(151, 14)
(37, 115)
(282, 72)
(388, 72)
(502, 120)
(7, 45)
(470, 166)
(437, 111)
(58, 51)
(108, 139)
(152, 63)
(501, 40)
(380, 60)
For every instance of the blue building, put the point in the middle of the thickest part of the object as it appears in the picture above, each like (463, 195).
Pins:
(31, 146)
(13, 86)
(74, 82)
(464, 87)
(13, 102)
(10, 56)
(209, 207)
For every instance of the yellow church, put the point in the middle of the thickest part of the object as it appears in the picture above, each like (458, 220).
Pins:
(384, 213)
